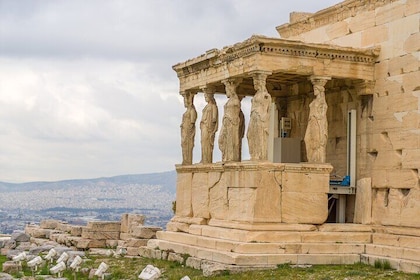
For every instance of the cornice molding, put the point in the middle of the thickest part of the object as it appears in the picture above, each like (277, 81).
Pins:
(274, 46)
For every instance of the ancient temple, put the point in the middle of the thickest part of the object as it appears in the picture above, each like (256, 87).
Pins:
(333, 136)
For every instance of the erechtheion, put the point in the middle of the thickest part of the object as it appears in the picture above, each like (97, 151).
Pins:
(333, 136)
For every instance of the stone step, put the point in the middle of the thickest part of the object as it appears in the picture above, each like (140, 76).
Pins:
(360, 237)
(407, 231)
(338, 227)
(407, 266)
(261, 226)
(266, 248)
(396, 240)
(393, 252)
(254, 259)
(280, 227)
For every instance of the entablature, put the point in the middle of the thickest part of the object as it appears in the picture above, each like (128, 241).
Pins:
(288, 61)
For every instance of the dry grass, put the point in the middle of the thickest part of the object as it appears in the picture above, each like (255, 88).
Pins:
(130, 268)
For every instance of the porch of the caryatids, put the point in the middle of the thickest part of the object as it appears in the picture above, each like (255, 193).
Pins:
(229, 137)
(258, 130)
(316, 135)
(208, 125)
(188, 128)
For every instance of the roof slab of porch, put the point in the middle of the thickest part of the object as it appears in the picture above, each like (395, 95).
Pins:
(287, 62)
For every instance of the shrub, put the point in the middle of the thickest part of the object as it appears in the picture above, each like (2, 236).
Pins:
(382, 264)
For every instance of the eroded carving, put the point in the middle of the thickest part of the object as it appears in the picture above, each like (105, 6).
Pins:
(208, 125)
(259, 120)
(229, 143)
(188, 128)
(316, 135)
(241, 128)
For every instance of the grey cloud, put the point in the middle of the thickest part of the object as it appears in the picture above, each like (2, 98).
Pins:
(140, 30)
(136, 29)
(87, 89)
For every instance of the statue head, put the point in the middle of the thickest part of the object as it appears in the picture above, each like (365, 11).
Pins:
(318, 90)
(260, 82)
(231, 90)
(230, 86)
(188, 99)
(209, 97)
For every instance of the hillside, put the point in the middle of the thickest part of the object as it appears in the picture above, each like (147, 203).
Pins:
(78, 201)
(165, 179)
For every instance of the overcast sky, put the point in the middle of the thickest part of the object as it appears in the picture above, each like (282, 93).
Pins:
(86, 86)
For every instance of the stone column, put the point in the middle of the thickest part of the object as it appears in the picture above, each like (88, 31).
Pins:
(364, 90)
(363, 200)
(229, 137)
(316, 135)
(188, 128)
(258, 130)
(208, 125)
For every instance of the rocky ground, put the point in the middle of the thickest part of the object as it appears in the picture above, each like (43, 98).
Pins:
(55, 246)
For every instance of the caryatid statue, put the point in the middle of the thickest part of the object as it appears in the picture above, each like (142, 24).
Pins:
(241, 128)
(188, 128)
(316, 135)
(208, 125)
(260, 119)
(229, 142)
